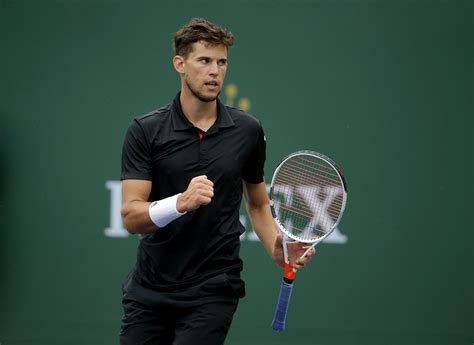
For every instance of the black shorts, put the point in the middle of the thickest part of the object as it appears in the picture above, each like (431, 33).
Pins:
(201, 314)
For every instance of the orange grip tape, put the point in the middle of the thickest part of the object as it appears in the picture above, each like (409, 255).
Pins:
(289, 274)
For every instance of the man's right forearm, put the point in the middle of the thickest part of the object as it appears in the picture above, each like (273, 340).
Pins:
(139, 218)
(136, 218)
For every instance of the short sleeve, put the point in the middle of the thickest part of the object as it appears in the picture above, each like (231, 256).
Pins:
(136, 155)
(253, 170)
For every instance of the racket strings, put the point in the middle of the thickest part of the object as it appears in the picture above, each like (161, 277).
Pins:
(317, 174)
(332, 211)
(289, 179)
(312, 196)
(313, 166)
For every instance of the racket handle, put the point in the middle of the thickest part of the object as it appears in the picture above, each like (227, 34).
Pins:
(278, 323)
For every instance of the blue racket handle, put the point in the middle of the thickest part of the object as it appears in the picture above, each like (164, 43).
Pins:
(278, 323)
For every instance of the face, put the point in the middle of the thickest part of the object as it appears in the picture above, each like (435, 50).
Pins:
(203, 70)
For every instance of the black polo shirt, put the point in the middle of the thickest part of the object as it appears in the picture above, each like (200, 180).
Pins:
(165, 148)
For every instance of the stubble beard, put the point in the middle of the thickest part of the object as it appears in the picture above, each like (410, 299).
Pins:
(200, 96)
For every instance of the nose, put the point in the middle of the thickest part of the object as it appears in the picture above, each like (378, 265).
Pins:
(214, 69)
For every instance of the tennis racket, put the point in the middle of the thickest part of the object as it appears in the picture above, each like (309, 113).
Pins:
(308, 195)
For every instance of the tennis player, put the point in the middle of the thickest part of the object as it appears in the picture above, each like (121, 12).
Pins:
(185, 168)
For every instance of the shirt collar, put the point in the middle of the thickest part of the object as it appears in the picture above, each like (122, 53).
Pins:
(181, 123)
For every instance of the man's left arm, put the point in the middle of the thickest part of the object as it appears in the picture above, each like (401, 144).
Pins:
(258, 209)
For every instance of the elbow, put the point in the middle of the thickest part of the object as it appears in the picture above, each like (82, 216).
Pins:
(127, 221)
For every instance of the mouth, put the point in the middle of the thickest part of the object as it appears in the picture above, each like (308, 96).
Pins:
(212, 83)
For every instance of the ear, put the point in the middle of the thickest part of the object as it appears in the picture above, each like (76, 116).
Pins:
(178, 63)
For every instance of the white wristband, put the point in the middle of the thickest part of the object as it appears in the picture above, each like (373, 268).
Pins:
(163, 212)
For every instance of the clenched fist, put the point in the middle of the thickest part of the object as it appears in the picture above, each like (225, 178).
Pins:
(199, 192)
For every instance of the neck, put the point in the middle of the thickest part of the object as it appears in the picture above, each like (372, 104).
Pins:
(201, 114)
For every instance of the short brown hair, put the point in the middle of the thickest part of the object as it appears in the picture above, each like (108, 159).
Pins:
(200, 29)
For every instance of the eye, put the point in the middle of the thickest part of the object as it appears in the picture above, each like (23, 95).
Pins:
(222, 62)
(204, 60)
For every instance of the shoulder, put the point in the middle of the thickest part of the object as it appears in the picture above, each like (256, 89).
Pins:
(153, 117)
(148, 124)
(244, 119)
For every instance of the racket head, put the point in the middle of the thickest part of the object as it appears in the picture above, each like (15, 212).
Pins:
(308, 195)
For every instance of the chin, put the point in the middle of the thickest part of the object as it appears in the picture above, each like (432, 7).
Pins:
(207, 98)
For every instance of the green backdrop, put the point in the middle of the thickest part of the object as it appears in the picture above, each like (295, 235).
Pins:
(383, 87)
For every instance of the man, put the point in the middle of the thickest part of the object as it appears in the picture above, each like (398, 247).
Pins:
(184, 170)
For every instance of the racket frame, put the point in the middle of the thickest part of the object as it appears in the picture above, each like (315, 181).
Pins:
(340, 175)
